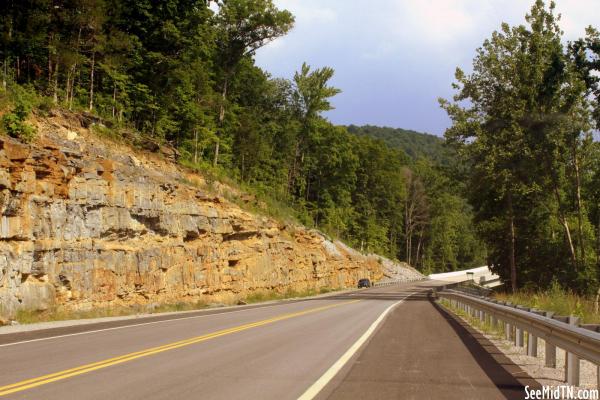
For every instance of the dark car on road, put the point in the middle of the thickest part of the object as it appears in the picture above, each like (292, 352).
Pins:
(364, 283)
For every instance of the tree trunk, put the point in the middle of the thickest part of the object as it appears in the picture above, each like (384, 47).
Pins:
(243, 166)
(216, 157)
(294, 170)
(565, 224)
(221, 120)
(307, 194)
(55, 86)
(5, 75)
(91, 107)
(406, 232)
(511, 256)
(196, 145)
(74, 72)
(49, 68)
(419, 244)
(579, 203)
(114, 100)
(598, 239)
(72, 86)
(68, 84)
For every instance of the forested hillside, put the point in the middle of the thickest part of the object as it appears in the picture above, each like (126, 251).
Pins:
(414, 144)
(183, 72)
(523, 123)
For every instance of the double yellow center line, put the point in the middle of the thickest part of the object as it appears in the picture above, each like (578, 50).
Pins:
(83, 369)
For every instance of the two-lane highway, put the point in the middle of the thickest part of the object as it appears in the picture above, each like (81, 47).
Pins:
(379, 343)
(273, 352)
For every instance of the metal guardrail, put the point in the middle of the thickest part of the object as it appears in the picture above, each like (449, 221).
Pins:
(389, 283)
(562, 332)
(485, 283)
(469, 288)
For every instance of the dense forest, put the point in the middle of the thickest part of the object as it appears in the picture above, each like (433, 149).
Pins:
(183, 72)
(523, 122)
(415, 144)
(519, 187)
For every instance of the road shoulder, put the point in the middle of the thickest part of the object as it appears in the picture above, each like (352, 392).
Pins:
(424, 352)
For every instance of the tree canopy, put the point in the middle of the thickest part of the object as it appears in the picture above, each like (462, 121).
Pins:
(516, 187)
(523, 122)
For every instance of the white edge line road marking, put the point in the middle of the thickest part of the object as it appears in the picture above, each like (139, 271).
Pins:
(134, 325)
(316, 387)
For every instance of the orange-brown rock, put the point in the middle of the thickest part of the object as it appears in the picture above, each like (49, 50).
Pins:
(85, 223)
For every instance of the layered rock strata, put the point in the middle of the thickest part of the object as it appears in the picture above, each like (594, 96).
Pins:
(85, 223)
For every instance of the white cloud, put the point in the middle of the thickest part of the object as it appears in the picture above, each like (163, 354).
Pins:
(310, 14)
(576, 15)
(438, 21)
(393, 58)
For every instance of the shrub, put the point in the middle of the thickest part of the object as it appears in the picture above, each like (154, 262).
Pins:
(14, 123)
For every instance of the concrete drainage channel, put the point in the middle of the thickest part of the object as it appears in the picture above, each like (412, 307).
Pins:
(578, 341)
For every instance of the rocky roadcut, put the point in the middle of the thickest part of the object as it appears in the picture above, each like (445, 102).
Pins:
(86, 224)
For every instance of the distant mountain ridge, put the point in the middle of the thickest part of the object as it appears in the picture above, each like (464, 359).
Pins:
(414, 144)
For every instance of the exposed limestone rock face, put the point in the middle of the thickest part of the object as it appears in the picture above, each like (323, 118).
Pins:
(85, 224)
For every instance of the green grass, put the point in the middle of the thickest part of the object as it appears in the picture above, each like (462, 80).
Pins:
(484, 326)
(561, 301)
(246, 196)
(261, 296)
(61, 314)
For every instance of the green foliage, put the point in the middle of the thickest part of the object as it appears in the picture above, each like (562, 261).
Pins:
(58, 313)
(14, 123)
(558, 299)
(485, 326)
(262, 296)
(182, 72)
(415, 144)
(522, 122)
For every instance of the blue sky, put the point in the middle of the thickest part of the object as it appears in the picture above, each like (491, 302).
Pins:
(394, 58)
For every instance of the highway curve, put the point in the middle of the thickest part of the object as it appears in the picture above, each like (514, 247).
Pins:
(315, 348)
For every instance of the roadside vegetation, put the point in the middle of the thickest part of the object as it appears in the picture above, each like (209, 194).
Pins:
(261, 296)
(62, 314)
(561, 301)
(484, 326)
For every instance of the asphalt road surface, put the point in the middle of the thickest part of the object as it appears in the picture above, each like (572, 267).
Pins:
(383, 343)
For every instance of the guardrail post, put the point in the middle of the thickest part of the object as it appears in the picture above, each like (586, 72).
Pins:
(481, 315)
(508, 328)
(572, 362)
(507, 331)
(550, 349)
(532, 345)
(532, 341)
(520, 334)
(519, 337)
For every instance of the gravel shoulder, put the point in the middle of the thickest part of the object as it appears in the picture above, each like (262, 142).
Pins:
(534, 366)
